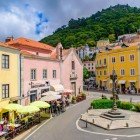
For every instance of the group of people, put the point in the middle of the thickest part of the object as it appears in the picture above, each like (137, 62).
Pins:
(59, 106)
(128, 90)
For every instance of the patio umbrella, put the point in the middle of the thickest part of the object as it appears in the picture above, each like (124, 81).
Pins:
(40, 104)
(50, 92)
(12, 107)
(68, 90)
(28, 109)
(50, 97)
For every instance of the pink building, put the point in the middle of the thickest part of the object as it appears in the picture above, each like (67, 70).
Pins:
(71, 69)
(43, 66)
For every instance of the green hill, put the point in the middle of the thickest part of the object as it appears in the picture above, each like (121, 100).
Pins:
(108, 23)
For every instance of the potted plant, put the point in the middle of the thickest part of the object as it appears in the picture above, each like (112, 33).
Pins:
(73, 99)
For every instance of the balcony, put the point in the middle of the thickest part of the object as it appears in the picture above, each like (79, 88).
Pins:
(101, 65)
(73, 76)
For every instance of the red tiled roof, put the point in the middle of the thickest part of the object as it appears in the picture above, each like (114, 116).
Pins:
(7, 46)
(32, 43)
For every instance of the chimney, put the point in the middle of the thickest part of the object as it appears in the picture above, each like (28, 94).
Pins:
(59, 49)
(9, 39)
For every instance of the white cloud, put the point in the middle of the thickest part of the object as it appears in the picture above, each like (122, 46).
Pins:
(20, 22)
(19, 18)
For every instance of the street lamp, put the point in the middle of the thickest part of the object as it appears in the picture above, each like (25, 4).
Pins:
(113, 77)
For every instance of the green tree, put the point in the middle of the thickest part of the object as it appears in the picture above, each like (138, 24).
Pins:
(112, 37)
(86, 73)
(86, 58)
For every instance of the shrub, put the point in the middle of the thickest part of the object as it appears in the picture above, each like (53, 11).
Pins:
(102, 104)
(126, 105)
(137, 107)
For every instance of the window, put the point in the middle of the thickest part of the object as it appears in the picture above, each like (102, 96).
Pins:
(54, 73)
(104, 72)
(73, 65)
(100, 62)
(84, 64)
(92, 67)
(97, 72)
(100, 72)
(122, 72)
(104, 61)
(97, 62)
(131, 57)
(5, 61)
(113, 59)
(5, 91)
(132, 72)
(88, 64)
(44, 73)
(122, 58)
(92, 64)
(33, 74)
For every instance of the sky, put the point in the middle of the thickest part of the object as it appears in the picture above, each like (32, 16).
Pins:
(36, 19)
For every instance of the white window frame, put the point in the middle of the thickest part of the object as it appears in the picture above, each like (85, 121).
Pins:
(122, 56)
(132, 72)
(113, 59)
(54, 74)
(44, 73)
(130, 57)
(122, 72)
(33, 74)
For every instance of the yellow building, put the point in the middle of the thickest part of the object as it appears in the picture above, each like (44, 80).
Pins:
(126, 63)
(9, 76)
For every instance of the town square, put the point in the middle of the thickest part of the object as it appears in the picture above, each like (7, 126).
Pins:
(70, 70)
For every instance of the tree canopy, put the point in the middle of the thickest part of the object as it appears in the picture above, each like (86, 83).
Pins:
(108, 23)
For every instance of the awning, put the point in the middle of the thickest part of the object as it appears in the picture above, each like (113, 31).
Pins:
(50, 97)
(57, 87)
(132, 81)
(121, 82)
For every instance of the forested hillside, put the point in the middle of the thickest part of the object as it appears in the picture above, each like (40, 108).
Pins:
(108, 23)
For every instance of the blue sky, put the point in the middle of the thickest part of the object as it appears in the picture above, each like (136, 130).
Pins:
(36, 19)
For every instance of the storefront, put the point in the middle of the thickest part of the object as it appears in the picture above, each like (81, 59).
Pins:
(122, 85)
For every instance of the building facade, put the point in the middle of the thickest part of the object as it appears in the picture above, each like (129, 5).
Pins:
(9, 75)
(44, 67)
(125, 62)
(90, 66)
(72, 72)
(86, 51)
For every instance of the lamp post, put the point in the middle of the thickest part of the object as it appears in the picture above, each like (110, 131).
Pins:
(113, 77)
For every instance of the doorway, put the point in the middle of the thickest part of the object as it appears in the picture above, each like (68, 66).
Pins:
(73, 87)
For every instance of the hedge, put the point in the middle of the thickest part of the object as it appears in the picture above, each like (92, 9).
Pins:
(106, 104)
(102, 103)
(137, 107)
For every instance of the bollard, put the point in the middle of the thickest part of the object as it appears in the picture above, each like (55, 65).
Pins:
(86, 123)
(130, 100)
(93, 121)
(127, 125)
(108, 126)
